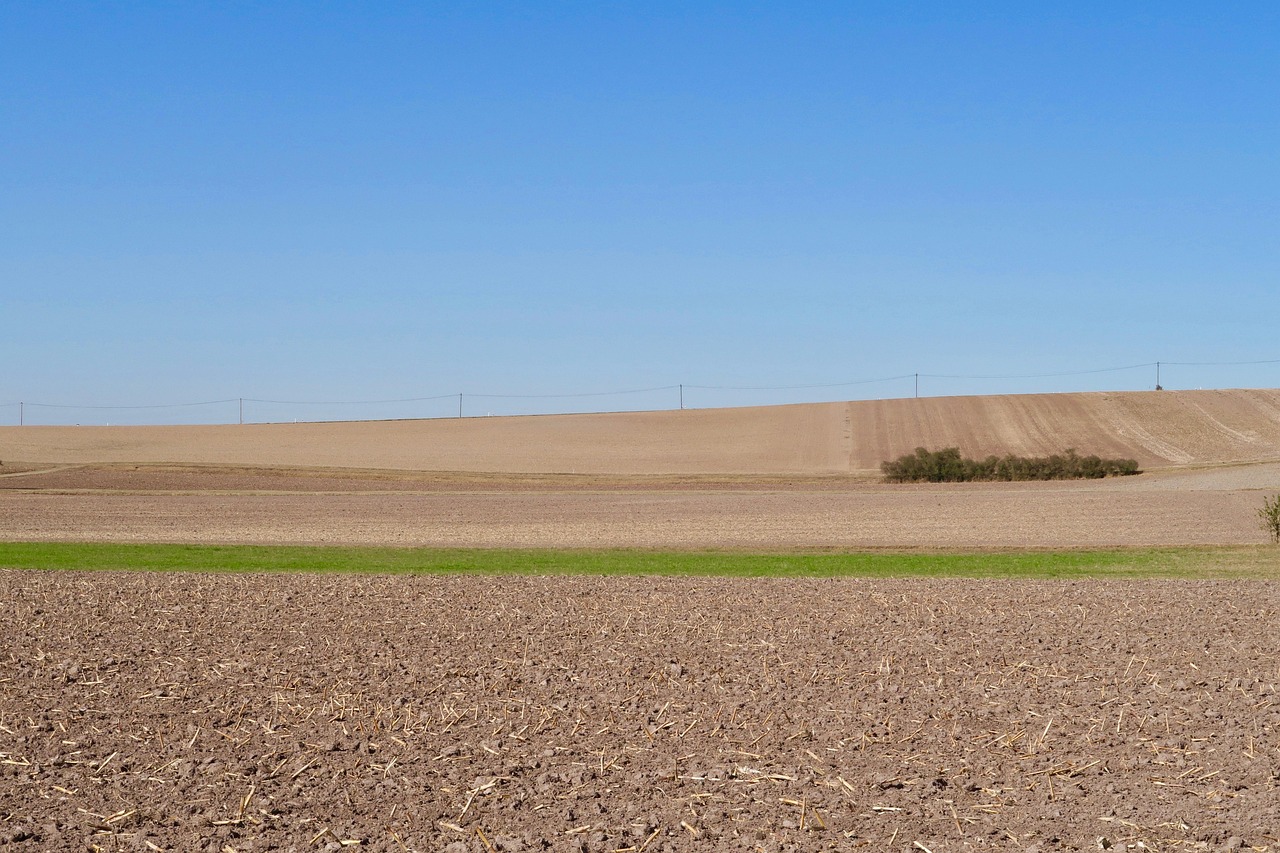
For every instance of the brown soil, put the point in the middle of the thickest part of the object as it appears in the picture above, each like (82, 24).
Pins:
(243, 479)
(216, 713)
(1156, 428)
(1054, 516)
(1215, 505)
(252, 713)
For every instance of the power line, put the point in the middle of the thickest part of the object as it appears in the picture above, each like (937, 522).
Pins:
(155, 406)
(567, 396)
(1044, 375)
(1219, 363)
(651, 389)
(345, 402)
(797, 387)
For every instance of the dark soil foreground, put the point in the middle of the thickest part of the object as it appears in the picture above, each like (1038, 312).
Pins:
(220, 713)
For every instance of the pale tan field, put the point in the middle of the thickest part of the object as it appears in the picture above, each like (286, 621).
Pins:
(774, 477)
(1156, 428)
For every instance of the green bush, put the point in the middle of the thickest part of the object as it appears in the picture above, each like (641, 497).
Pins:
(948, 466)
(1269, 515)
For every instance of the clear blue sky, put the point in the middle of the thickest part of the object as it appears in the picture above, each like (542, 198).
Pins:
(366, 201)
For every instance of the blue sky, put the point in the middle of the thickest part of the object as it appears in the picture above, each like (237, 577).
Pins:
(348, 202)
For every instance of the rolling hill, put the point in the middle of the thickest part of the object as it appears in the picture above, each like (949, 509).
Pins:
(1159, 429)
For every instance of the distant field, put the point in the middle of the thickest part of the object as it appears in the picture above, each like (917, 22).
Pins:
(780, 478)
(1156, 428)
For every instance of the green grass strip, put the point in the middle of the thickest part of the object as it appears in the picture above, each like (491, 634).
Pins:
(1238, 561)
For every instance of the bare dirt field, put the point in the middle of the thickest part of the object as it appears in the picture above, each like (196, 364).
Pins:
(773, 477)
(1156, 428)
(1213, 505)
(972, 516)
(252, 713)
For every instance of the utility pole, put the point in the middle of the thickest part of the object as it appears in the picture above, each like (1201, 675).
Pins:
(242, 411)
(22, 414)
(917, 384)
(682, 397)
(1158, 388)
(459, 404)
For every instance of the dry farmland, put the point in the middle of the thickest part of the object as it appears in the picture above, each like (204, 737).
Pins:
(286, 712)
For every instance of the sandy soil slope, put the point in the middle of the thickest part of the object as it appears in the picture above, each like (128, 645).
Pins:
(470, 715)
(1156, 428)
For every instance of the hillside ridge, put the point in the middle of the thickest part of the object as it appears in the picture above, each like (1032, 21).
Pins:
(1158, 428)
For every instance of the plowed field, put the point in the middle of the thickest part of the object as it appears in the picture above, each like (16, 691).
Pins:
(216, 713)
(159, 504)
(1156, 428)
(277, 712)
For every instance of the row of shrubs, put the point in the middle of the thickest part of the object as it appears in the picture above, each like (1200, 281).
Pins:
(948, 466)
